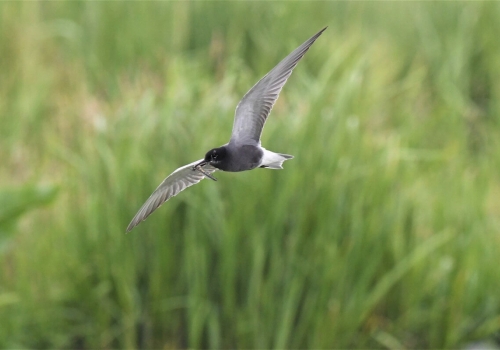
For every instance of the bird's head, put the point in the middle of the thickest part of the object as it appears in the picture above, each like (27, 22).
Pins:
(215, 156)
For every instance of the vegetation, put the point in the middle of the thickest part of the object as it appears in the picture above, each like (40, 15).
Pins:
(383, 231)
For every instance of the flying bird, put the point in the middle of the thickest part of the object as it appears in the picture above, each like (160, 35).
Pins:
(243, 151)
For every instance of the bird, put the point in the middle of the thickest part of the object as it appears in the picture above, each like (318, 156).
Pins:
(243, 151)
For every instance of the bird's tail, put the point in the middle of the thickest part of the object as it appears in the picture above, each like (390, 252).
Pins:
(273, 160)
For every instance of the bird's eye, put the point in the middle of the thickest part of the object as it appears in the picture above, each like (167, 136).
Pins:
(214, 156)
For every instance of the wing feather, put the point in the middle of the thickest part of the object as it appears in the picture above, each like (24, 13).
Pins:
(254, 108)
(176, 182)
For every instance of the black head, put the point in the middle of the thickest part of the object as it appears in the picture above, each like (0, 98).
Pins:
(215, 156)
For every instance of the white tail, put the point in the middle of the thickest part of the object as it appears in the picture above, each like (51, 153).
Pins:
(273, 160)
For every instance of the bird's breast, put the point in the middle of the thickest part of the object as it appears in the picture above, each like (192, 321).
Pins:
(241, 158)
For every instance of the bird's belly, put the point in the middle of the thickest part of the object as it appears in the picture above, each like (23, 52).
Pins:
(244, 158)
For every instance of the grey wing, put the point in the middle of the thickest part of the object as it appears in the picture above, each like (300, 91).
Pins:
(176, 182)
(255, 106)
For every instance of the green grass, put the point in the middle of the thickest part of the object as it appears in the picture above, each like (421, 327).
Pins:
(383, 231)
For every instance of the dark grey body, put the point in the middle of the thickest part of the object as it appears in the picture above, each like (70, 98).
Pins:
(240, 158)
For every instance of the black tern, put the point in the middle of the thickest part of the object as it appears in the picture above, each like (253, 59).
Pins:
(243, 151)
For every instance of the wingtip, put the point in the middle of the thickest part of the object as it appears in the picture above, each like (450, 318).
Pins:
(315, 36)
(131, 226)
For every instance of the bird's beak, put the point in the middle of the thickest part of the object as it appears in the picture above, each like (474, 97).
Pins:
(202, 163)
(200, 169)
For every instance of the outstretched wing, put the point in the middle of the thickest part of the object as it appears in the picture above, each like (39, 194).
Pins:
(176, 182)
(255, 106)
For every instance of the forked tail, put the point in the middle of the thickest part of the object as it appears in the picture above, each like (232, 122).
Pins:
(273, 160)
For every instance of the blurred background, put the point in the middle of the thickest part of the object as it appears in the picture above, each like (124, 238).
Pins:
(383, 232)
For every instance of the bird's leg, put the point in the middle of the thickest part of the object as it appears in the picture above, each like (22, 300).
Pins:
(200, 169)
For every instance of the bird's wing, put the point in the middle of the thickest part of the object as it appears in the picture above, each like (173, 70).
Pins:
(176, 182)
(253, 109)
